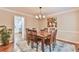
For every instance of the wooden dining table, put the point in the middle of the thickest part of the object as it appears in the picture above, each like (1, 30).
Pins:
(43, 38)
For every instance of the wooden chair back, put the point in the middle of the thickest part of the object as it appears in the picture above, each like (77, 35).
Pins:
(51, 38)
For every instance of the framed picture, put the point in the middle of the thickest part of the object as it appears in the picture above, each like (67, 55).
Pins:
(52, 22)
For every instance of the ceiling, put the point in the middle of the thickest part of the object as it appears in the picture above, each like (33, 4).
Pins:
(35, 10)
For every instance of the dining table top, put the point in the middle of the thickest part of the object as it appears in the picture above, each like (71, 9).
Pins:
(43, 34)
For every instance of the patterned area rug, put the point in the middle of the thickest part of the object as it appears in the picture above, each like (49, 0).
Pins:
(59, 47)
(20, 45)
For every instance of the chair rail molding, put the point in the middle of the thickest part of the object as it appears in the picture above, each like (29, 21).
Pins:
(65, 31)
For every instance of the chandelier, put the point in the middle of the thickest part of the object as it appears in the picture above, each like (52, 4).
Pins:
(40, 15)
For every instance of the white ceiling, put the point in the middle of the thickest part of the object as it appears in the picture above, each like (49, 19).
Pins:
(35, 10)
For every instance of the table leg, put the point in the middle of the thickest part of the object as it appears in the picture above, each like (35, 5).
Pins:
(37, 46)
(42, 45)
(50, 47)
(32, 44)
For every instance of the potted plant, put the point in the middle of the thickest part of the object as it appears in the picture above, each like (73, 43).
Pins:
(4, 35)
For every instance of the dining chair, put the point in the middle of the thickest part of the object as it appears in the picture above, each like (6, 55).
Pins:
(28, 35)
(54, 38)
(48, 42)
(33, 33)
(35, 39)
(51, 40)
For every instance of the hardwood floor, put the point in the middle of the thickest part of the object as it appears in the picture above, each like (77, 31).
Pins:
(8, 48)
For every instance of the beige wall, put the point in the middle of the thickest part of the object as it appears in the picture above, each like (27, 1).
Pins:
(42, 23)
(30, 22)
(7, 18)
(68, 25)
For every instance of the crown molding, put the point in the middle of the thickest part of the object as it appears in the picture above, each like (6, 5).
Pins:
(16, 12)
(62, 12)
(50, 15)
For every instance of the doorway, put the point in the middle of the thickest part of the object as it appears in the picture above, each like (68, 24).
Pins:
(18, 30)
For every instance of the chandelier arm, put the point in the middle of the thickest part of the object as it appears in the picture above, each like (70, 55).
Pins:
(40, 15)
(40, 9)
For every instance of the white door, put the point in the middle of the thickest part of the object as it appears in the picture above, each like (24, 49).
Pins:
(18, 30)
